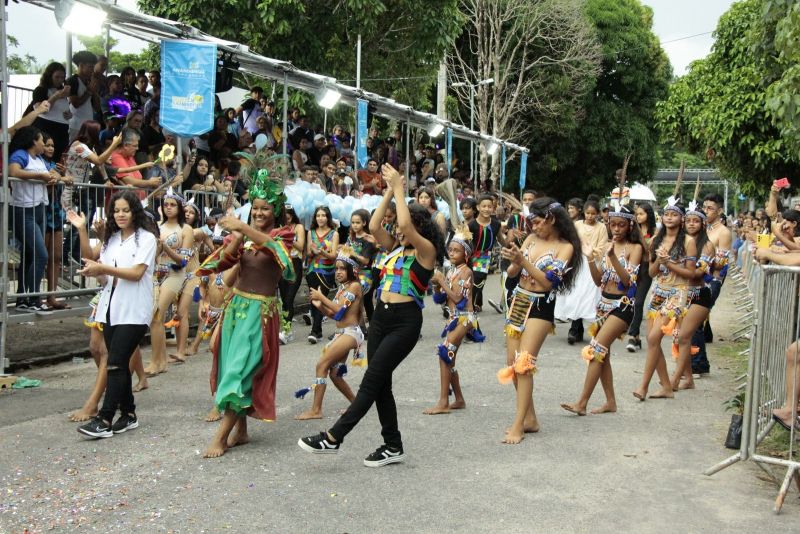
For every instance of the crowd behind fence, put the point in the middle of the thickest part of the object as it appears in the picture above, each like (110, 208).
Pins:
(767, 297)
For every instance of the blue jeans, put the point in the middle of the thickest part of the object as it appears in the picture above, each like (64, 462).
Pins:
(29, 231)
(700, 360)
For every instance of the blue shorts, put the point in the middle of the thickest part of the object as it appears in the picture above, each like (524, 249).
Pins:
(55, 216)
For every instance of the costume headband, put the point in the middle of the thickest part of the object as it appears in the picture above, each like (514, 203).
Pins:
(173, 195)
(346, 254)
(464, 238)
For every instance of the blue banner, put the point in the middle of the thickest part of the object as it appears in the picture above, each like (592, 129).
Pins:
(449, 151)
(502, 166)
(523, 169)
(188, 78)
(361, 133)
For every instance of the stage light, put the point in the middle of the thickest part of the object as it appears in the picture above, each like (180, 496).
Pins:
(79, 18)
(327, 97)
(492, 148)
(435, 129)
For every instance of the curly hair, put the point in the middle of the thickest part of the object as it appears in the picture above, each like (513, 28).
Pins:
(422, 221)
(547, 208)
(140, 219)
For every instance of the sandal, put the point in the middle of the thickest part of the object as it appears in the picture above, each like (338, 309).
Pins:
(56, 305)
(784, 425)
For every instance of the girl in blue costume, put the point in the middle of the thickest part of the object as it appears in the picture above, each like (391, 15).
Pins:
(246, 349)
(396, 324)
(547, 263)
(616, 276)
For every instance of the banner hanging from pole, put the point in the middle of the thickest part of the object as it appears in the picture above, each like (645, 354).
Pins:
(523, 168)
(449, 151)
(502, 166)
(189, 72)
(361, 133)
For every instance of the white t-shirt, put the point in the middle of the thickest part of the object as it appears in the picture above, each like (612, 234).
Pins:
(28, 193)
(80, 114)
(133, 301)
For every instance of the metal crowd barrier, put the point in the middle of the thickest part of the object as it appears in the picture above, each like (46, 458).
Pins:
(776, 328)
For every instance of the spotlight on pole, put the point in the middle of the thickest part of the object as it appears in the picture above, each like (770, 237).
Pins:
(327, 97)
(434, 129)
(79, 18)
(492, 148)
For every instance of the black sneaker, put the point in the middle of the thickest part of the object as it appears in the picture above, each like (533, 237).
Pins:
(307, 319)
(40, 308)
(384, 455)
(319, 444)
(23, 307)
(124, 423)
(96, 428)
(313, 339)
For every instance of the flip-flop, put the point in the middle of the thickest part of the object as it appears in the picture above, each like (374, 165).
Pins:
(783, 423)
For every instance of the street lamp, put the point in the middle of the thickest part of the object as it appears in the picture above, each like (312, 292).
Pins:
(434, 129)
(472, 87)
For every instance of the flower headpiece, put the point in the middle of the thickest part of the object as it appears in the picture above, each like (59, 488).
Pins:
(346, 254)
(463, 237)
(266, 180)
(173, 195)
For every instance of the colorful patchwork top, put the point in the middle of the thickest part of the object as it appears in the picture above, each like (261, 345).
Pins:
(363, 247)
(320, 264)
(483, 239)
(405, 276)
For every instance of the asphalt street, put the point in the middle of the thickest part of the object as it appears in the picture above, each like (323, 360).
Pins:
(637, 470)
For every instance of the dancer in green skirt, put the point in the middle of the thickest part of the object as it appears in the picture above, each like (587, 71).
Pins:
(246, 349)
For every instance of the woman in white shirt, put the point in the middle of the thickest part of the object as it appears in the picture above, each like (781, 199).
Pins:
(126, 258)
(28, 202)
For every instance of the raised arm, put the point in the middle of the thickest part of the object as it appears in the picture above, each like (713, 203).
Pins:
(384, 238)
(426, 251)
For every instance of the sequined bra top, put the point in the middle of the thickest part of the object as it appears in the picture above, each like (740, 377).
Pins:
(405, 276)
(552, 267)
(610, 274)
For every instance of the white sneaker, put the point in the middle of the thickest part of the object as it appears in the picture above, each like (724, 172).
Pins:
(282, 338)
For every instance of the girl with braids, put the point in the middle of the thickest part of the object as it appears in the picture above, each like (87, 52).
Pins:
(616, 276)
(700, 291)
(646, 221)
(323, 241)
(345, 309)
(547, 263)
(245, 348)
(177, 242)
(455, 291)
(672, 265)
(396, 324)
(126, 259)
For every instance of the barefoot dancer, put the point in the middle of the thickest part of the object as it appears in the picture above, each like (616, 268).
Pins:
(126, 258)
(547, 263)
(177, 241)
(616, 277)
(672, 263)
(246, 348)
(456, 291)
(189, 291)
(700, 291)
(395, 325)
(345, 309)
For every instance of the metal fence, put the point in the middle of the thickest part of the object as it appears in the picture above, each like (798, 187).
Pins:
(772, 378)
(18, 100)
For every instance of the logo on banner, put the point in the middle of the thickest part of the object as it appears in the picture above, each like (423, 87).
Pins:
(191, 102)
(189, 71)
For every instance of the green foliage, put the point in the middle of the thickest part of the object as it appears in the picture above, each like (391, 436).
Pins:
(578, 155)
(26, 64)
(722, 105)
(148, 59)
(400, 38)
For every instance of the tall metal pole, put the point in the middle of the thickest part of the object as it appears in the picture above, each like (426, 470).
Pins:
(408, 153)
(471, 142)
(285, 135)
(68, 62)
(358, 62)
(4, 139)
(358, 86)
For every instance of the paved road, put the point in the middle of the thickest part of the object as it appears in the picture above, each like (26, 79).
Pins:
(638, 470)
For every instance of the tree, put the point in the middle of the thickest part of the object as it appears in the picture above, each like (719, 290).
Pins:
(26, 64)
(402, 40)
(720, 108)
(579, 155)
(540, 54)
(148, 59)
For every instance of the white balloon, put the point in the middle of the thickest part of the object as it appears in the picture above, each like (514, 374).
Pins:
(261, 141)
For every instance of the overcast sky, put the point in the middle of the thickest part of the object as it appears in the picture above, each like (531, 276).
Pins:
(675, 21)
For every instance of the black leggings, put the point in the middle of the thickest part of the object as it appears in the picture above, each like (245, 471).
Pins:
(324, 284)
(288, 290)
(121, 341)
(643, 283)
(369, 296)
(478, 281)
(393, 333)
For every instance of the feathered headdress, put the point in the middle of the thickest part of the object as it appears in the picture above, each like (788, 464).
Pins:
(463, 237)
(693, 208)
(190, 204)
(267, 177)
(173, 195)
(347, 255)
(673, 202)
(621, 195)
